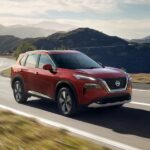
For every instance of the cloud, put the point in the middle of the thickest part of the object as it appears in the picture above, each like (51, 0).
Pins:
(34, 11)
(13, 20)
(33, 7)
(137, 2)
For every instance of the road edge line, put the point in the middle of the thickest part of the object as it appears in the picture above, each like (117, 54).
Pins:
(142, 90)
(139, 103)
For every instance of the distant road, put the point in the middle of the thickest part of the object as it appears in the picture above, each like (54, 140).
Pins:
(5, 62)
(129, 125)
(141, 86)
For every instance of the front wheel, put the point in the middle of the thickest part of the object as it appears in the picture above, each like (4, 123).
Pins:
(66, 102)
(19, 93)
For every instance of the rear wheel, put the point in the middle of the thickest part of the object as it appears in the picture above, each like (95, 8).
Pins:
(19, 93)
(66, 102)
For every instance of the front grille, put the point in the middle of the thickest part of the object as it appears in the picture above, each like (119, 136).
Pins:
(107, 100)
(116, 83)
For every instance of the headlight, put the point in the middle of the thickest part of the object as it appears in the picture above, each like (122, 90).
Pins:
(82, 77)
(129, 77)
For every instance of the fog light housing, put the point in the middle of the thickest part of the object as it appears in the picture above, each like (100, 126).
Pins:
(92, 86)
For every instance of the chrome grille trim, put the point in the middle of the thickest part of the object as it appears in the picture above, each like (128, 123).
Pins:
(114, 90)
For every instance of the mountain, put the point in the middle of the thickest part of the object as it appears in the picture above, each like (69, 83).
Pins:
(147, 37)
(143, 40)
(78, 38)
(41, 29)
(54, 25)
(25, 31)
(8, 43)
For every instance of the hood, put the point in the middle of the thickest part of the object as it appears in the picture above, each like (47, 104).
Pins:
(107, 72)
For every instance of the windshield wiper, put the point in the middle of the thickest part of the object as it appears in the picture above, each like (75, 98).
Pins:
(92, 67)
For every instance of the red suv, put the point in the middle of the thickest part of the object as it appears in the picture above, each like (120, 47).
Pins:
(70, 78)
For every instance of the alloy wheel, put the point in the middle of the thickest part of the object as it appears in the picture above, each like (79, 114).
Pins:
(65, 102)
(17, 91)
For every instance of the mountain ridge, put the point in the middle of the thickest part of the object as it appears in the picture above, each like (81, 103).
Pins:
(109, 50)
(41, 29)
(142, 40)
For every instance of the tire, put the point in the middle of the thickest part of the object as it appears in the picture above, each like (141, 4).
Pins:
(66, 102)
(19, 93)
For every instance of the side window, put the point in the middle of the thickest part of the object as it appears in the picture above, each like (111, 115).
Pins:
(45, 59)
(22, 61)
(32, 60)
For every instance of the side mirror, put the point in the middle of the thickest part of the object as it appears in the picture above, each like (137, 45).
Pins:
(49, 68)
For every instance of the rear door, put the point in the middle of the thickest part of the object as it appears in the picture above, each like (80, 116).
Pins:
(21, 71)
(30, 71)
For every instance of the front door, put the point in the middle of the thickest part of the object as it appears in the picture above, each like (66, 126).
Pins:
(45, 80)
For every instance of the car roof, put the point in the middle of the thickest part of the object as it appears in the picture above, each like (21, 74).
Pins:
(51, 51)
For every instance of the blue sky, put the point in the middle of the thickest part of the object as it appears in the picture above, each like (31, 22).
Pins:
(124, 18)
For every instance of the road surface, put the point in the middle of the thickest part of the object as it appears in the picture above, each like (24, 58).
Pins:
(129, 125)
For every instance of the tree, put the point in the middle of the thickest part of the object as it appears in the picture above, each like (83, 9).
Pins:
(24, 47)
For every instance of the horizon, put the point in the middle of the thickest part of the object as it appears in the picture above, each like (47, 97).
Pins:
(128, 19)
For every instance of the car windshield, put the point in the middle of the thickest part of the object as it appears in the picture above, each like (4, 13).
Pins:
(74, 61)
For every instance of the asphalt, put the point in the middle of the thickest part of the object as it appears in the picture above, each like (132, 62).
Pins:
(129, 125)
(141, 86)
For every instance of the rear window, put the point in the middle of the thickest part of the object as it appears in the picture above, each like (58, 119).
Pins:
(31, 61)
(22, 61)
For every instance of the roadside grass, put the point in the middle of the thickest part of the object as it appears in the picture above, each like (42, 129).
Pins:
(21, 133)
(6, 72)
(136, 78)
(140, 78)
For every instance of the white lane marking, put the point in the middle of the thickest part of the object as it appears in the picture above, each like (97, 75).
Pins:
(141, 90)
(139, 103)
(73, 130)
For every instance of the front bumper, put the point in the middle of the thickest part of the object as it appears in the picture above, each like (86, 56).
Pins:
(93, 93)
(113, 101)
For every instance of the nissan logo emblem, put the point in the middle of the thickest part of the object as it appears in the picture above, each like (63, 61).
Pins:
(117, 83)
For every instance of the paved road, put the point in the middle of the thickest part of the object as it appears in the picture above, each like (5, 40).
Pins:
(129, 125)
(141, 86)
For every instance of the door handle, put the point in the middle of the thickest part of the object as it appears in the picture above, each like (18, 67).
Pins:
(22, 70)
(36, 73)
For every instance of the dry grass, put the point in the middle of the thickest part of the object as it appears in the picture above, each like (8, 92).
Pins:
(20, 133)
(6, 72)
(141, 78)
(136, 78)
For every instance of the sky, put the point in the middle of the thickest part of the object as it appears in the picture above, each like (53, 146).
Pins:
(125, 18)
